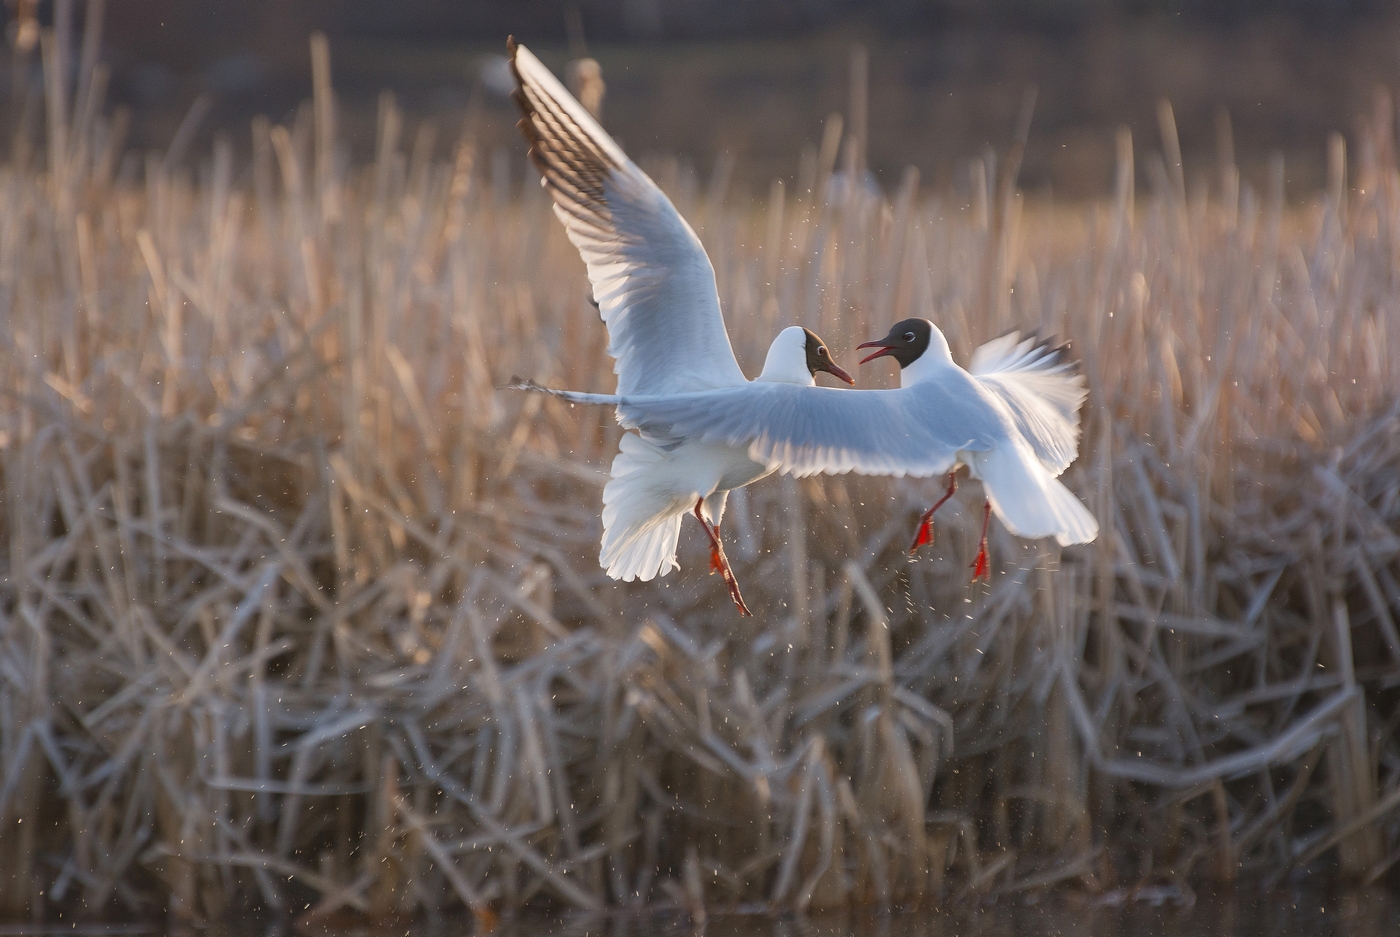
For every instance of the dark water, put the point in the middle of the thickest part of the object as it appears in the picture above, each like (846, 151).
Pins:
(1284, 912)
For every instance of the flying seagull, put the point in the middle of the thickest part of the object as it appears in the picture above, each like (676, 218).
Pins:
(655, 290)
(1031, 392)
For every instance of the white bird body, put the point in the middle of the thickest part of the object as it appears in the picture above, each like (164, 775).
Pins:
(1012, 419)
(1023, 489)
(655, 290)
(657, 481)
(652, 488)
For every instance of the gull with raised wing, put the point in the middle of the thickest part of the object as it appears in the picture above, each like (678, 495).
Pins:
(655, 290)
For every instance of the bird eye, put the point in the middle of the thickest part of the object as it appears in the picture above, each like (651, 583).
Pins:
(822, 351)
(908, 336)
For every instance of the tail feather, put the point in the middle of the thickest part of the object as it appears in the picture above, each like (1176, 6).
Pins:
(641, 517)
(1030, 501)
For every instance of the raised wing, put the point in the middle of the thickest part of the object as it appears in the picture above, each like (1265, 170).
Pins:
(804, 430)
(652, 281)
(1041, 387)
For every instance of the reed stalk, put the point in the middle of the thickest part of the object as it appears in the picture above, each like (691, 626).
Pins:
(298, 610)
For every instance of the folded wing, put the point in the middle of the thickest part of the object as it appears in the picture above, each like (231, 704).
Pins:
(1041, 387)
(652, 281)
(804, 430)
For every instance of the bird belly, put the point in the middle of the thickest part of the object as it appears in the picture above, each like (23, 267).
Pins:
(740, 470)
(712, 467)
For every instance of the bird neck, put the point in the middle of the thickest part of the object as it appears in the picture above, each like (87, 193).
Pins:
(936, 359)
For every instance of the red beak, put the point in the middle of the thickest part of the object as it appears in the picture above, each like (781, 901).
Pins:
(839, 373)
(880, 343)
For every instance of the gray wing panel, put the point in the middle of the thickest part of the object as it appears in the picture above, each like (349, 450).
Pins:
(805, 430)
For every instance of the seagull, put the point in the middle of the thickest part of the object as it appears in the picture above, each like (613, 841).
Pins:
(1012, 420)
(655, 290)
(1033, 392)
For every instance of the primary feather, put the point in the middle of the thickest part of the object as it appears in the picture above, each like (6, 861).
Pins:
(1042, 389)
(653, 283)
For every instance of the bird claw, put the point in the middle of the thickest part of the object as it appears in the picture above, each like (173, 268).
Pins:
(981, 569)
(925, 535)
(719, 563)
(739, 600)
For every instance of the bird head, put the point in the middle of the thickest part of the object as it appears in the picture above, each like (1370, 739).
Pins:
(906, 341)
(819, 358)
(795, 357)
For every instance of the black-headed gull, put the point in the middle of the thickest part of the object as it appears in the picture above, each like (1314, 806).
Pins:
(1032, 392)
(655, 290)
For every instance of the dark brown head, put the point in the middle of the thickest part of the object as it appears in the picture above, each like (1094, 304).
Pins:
(906, 341)
(819, 358)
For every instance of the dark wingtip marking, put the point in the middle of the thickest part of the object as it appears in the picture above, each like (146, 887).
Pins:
(521, 383)
(570, 163)
(1053, 354)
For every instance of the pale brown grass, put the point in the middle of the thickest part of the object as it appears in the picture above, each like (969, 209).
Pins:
(299, 610)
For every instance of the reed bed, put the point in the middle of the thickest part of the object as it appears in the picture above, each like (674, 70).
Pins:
(300, 612)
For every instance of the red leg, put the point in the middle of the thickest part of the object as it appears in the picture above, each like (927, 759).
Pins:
(719, 563)
(981, 569)
(925, 532)
(717, 560)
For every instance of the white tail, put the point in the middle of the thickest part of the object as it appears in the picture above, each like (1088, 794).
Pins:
(641, 513)
(1029, 500)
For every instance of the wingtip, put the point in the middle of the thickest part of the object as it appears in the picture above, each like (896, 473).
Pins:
(1055, 351)
(526, 123)
(1060, 352)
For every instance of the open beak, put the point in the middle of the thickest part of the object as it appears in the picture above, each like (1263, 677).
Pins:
(880, 343)
(835, 370)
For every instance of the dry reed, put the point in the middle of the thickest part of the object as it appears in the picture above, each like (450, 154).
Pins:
(298, 611)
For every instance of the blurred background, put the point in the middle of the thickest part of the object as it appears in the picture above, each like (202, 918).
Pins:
(297, 612)
(757, 78)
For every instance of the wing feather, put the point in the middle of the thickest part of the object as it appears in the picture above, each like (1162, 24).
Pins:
(804, 430)
(1041, 387)
(652, 281)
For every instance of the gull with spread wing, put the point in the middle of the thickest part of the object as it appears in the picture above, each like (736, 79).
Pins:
(655, 290)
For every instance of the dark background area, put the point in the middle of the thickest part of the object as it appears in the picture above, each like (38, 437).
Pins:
(757, 78)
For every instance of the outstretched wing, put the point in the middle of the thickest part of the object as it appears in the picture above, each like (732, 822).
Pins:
(652, 281)
(1041, 387)
(805, 430)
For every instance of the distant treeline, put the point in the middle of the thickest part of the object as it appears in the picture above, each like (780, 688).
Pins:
(615, 20)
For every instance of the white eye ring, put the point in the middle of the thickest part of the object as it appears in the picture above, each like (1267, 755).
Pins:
(821, 350)
(908, 336)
